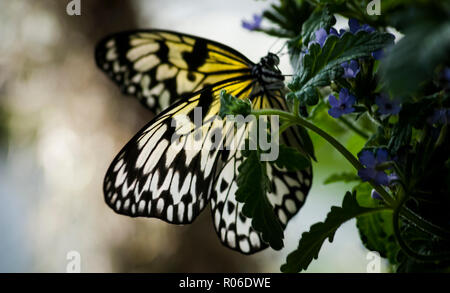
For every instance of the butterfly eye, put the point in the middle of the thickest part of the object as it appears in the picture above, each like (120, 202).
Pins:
(273, 60)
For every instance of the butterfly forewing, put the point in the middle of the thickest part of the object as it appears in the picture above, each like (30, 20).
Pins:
(160, 67)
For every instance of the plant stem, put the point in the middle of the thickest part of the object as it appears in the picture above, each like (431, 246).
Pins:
(405, 247)
(425, 225)
(353, 127)
(298, 120)
(389, 200)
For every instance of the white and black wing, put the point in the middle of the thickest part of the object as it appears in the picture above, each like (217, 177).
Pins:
(287, 196)
(158, 175)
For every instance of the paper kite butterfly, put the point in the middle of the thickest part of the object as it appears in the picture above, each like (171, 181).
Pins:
(152, 177)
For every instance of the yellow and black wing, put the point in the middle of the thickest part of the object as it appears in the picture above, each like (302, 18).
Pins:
(160, 67)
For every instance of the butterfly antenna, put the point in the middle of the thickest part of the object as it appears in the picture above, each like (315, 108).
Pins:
(281, 49)
(273, 45)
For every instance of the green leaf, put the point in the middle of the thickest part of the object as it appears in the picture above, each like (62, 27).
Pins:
(311, 241)
(321, 65)
(230, 105)
(377, 234)
(401, 135)
(291, 159)
(319, 19)
(363, 196)
(253, 185)
(342, 177)
(405, 69)
(288, 16)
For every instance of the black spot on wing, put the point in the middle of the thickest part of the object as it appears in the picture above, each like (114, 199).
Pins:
(223, 186)
(206, 98)
(231, 207)
(163, 52)
(197, 57)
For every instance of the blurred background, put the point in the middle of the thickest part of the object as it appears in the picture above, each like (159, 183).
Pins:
(62, 121)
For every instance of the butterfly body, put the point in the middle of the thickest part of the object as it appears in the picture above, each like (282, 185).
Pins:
(155, 175)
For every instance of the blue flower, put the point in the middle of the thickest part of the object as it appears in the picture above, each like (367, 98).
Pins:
(342, 106)
(351, 69)
(447, 73)
(377, 55)
(440, 116)
(393, 178)
(356, 27)
(375, 195)
(371, 161)
(321, 36)
(253, 24)
(333, 31)
(386, 106)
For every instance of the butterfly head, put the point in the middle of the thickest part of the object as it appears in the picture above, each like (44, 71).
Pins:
(271, 61)
(268, 74)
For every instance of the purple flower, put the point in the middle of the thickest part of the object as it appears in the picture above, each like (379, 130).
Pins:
(356, 27)
(351, 69)
(447, 73)
(392, 178)
(333, 31)
(253, 24)
(371, 161)
(386, 106)
(377, 55)
(375, 195)
(343, 105)
(440, 116)
(367, 28)
(321, 36)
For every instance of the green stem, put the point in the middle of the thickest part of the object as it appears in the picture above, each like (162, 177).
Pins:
(353, 127)
(389, 200)
(424, 225)
(336, 144)
(295, 107)
(404, 246)
(285, 126)
(298, 120)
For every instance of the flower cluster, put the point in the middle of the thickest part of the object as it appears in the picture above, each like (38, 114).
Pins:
(351, 69)
(386, 106)
(372, 170)
(392, 104)
(342, 106)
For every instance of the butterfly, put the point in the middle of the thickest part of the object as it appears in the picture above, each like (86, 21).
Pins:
(156, 176)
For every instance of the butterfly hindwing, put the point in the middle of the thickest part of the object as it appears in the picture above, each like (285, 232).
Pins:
(153, 176)
(165, 171)
(160, 67)
(288, 192)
